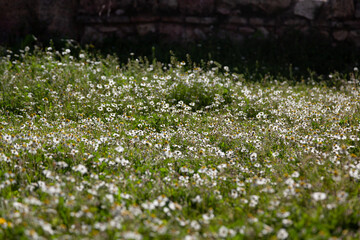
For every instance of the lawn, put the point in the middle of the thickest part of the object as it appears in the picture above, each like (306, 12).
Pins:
(95, 148)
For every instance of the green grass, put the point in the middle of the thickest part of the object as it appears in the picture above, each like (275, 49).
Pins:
(92, 147)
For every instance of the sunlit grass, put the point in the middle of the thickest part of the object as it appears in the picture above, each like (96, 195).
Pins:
(98, 149)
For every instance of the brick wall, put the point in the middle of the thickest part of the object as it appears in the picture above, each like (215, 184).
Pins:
(178, 20)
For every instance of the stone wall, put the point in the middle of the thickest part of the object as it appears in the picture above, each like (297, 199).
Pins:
(179, 20)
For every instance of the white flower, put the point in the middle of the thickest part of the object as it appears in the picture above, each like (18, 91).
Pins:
(109, 197)
(234, 193)
(80, 168)
(119, 149)
(223, 232)
(287, 222)
(254, 200)
(122, 161)
(253, 156)
(184, 169)
(47, 227)
(190, 237)
(295, 174)
(282, 214)
(197, 199)
(282, 234)
(318, 196)
(132, 235)
(67, 51)
(330, 206)
(195, 225)
(354, 173)
(33, 201)
(266, 230)
(342, 196)
(56, 140)
(261, 181)
(62, 164)
(275, 154)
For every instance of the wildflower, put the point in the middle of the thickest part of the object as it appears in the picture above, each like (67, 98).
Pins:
(282, 214)
(32, 234)
(80, 168)
(119, 149)
(3, 222)
(190, 237)
(254, 200)
(132, 235)
(287, 222)
(208, 217)
(67, 51)
(261, 181)
(47, 227)
(253, 156)
(282, 234)
(318, 196)
(222, 166)
(342, 196)
(275, 154)
(354, 173)
(122, 161)
(184, 169)
(195, 225)
(295, 174)
(33, 201)
(234, 193)
(331, 206)
(8, 138)
(223, 232)
(266, 230)
(56, 140)
(197, 199)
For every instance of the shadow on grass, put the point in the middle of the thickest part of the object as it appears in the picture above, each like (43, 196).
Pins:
(292, 57)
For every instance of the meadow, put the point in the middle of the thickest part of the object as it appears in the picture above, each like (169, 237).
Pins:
(95, 148)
